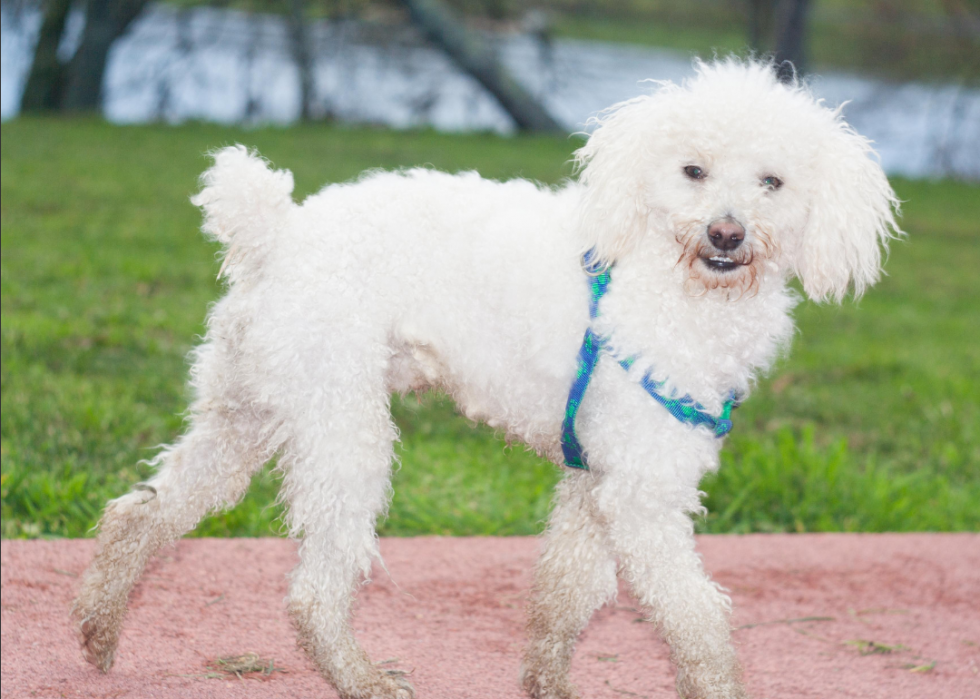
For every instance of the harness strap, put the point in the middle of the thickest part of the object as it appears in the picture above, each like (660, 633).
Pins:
(588, 357)
(684, 409)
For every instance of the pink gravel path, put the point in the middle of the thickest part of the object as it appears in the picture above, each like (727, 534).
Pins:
(451, 612)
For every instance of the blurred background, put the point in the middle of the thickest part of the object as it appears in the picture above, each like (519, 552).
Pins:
(910, 68)
(872, 423)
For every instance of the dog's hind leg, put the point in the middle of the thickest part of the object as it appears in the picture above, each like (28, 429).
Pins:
(337, 483)
(207, 469)
(575, 575)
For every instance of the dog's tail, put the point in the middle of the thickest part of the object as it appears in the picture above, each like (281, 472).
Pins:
(244, 202)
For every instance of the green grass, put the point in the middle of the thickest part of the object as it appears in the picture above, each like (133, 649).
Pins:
(871, 424)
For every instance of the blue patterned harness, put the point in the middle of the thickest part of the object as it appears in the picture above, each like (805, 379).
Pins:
(685, 409)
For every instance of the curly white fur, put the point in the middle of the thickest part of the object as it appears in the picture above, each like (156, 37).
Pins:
(403, 281)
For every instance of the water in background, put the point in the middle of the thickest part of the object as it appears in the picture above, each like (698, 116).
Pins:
(228, 66)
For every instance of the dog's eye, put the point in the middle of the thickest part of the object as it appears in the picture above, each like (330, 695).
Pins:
(694, 172)
(772, 182)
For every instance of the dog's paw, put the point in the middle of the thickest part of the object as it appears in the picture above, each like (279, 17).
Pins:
(374, 683)
(98, 641)
(704, 685)
(404, 690)
(543, 685)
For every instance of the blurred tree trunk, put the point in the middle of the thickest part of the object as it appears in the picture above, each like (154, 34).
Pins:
(790, 44)
(473, 55)
(47, 76)
(302, 54)
(760, 23)
(105, 21)
(787, 20)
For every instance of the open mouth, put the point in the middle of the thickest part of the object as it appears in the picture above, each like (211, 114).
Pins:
(721, 263)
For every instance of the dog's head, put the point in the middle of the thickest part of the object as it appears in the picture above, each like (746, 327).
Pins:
(739, 178)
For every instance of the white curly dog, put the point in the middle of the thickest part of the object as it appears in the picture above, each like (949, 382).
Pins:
(696, 206)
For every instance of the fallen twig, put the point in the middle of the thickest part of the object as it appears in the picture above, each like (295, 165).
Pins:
(928, 667)
(873, 647)
(787, 621)
(623, 691)
(241, 665)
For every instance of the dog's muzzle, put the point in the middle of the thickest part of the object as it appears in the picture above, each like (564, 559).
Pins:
(726, 236)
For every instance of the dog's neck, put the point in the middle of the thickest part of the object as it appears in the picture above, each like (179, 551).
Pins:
(706, 345)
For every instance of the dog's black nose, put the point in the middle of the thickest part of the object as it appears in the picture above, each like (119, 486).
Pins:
(726, 234)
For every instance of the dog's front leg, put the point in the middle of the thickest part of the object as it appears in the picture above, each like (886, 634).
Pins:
(653, 536)
(575, 575)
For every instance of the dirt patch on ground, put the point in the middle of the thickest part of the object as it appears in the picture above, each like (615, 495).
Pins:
(889, 616)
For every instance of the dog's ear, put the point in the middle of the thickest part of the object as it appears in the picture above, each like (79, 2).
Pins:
(612, 214)
(851, 219)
